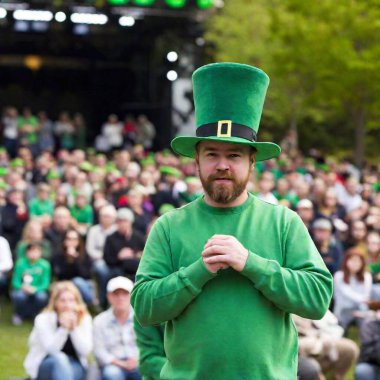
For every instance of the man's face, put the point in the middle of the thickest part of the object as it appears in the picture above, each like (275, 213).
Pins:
(224, 170)
(123, 226)
(106, 218)
(321, 235)
(306, 214)
(119, 300)
(61, 219)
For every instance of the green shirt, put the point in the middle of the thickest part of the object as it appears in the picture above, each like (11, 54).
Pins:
(150, 341)
(230, 325)
(39, 272)
(37, 207)
(83, 215)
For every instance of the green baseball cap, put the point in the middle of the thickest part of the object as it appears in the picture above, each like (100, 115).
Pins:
(86, 166)
(164, 208)
(169, 170)
(53, 174)
(229, 99)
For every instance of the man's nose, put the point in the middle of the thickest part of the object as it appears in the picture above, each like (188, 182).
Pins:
(222, 164)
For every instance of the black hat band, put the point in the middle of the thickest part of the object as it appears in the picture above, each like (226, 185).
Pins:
(226, 128)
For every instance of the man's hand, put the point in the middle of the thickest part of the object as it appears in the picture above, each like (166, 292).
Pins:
(125, 253)
(128, 364)
(223, 251)
(28, 289)
(131, 364)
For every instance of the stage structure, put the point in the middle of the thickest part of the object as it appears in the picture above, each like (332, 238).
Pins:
(99, 57)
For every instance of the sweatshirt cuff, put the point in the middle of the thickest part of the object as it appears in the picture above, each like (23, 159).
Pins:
(256, 268)
(196, 275)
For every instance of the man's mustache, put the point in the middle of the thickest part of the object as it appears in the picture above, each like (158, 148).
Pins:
(213, 177)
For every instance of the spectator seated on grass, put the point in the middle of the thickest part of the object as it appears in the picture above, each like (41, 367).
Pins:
(323, 341)
(118, 358)
(61, 339)
(82, 213)
(123, 248)
(95, 240)
(73, 263)
(142, 216)
(33, 233)
(30, 284)
(305, 210)
(61, 223)
(14, 215)
(368, 367)
(352, 287)
(328, 246)
(41, 204)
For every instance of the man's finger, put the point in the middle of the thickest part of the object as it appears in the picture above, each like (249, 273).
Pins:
(217, 241)
(224, 237)
(220, 259)
(214, 250)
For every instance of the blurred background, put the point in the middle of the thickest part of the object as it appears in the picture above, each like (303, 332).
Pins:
(98, 57)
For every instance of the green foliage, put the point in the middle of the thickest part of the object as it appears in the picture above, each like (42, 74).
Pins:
(323, 59)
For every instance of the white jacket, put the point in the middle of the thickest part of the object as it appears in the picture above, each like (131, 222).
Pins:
(47, 338)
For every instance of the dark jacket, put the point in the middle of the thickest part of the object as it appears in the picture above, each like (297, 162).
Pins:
(370, 341)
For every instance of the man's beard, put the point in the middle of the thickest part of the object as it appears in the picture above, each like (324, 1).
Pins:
(223, 193)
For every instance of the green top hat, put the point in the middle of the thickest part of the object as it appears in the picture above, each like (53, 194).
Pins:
(229, 99)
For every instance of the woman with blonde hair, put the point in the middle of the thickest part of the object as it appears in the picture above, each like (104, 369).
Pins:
(61, 338)
(33, 234)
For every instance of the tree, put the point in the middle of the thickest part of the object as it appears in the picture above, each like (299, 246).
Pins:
(323, 59)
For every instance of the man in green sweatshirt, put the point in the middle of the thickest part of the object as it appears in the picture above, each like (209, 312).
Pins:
(226, 271)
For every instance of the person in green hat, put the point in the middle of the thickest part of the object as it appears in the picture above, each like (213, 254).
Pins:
(226, 271)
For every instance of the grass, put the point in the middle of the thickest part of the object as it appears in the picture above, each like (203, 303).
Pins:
(13, 345)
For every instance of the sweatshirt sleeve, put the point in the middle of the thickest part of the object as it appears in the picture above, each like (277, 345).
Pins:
(162, 294)
(150, 341)
(302, 285)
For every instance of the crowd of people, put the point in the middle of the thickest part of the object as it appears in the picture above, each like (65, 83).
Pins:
(74, 221)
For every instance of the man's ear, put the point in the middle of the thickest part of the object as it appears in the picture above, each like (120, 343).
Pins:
(252, 160)
(196, 161)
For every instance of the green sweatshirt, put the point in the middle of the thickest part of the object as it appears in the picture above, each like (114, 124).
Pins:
(83, 215)
(38, 207)
(230, 325)
(40, 273)
(150, 341)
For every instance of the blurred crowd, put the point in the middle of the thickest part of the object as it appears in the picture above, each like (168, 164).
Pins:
(69, 212)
